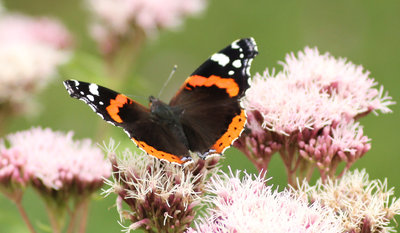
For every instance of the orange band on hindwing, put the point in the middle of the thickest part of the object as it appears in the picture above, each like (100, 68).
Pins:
(115, 104)
(229, 84)
(157, 153)
(234, 130)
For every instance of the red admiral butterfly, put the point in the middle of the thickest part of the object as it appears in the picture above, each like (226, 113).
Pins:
(204, 116)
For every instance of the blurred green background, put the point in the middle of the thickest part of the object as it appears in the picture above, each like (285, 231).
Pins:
(367, 32)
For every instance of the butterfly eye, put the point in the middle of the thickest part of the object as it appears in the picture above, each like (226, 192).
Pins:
(152, 99)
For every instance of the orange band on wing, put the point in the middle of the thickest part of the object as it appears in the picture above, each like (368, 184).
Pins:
(229, 84)
(115, 105)
(157, 153)
(234, 130)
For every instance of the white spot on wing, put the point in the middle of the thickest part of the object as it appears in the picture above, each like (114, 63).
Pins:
(254, 43)
(248, 70)
(248, 66)
(249, 62)
(129, 135)
(82, 93)
(110, 122)
(76, 82)
(234, 45)
(92, 107)
(231, 72)
(66, 85)
(101, 103)
(241, 55)
(237, 63)
(100, 115)
(93, 88)
(187, 163)
(90, 97)
(221, 58)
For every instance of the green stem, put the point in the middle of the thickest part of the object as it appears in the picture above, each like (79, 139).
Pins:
(84, 210)
(72, 220)
(24, 215)
(287, 158)
(5, 116)
(55, 224)
(78, 216)
(55, 212)
(309, 172)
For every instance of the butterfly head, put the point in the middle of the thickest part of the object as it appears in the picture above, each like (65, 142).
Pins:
(161, 109)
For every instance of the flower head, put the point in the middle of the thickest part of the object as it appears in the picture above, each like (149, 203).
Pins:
(160, 195)
(285, 107)
(343, 142)
(339, 78)
(248, 205)
(12, 176)
(307, 113)
(56, 164)
(117, 19)
(30, 51)
(148, 14)
(314, 90)
(365, 205)
(65, 172)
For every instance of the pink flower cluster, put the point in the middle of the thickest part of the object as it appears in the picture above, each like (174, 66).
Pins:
(312, 91)
(53, 161)
(17, 28)
(160, 196)
(119, 15)
(11, 169)
(307, 113)
(248, 205)
(30, 51)
(363, 205)
(344, 82)
(115, 21)
(335, 143)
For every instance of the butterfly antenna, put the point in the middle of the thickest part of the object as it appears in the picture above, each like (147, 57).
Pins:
(166, 82)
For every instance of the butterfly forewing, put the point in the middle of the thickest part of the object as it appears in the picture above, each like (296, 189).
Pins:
(212, 116)
(151, 136)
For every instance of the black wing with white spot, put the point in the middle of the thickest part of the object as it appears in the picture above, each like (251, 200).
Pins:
(112, 106)
(152, 136)
(234, 61)
(210, 98)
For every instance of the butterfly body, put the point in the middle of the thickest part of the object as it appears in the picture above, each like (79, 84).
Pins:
(169, 117)
(204, 117)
